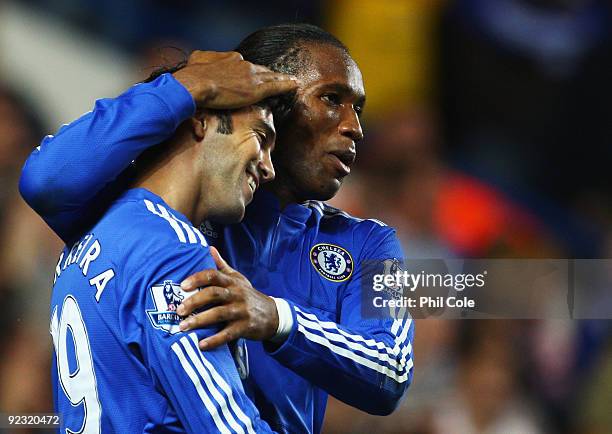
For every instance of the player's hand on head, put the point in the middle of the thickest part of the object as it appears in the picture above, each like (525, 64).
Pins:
(244, 311)
(223, 80)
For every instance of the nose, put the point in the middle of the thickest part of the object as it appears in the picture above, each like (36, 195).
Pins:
(350, 126)
(265, 167)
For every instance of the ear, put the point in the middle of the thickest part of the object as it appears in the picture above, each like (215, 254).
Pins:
(199, 125)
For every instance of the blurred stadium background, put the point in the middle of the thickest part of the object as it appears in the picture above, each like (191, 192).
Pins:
(488, 134)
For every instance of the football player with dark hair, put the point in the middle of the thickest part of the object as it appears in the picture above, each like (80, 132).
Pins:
(122, 365)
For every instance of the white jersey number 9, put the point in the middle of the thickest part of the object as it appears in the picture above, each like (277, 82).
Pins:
(80, 385)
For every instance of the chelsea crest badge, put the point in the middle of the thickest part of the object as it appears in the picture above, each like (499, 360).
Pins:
(332, 262)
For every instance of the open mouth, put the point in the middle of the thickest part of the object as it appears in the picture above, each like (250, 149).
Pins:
(252, 180)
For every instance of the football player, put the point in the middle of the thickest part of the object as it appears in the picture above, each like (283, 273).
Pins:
(122, 365)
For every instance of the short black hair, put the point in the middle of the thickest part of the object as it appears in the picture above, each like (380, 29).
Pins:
(281, 47)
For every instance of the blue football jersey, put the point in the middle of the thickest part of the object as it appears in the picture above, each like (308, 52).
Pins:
(309, 254)
(121, 364)
(313, 256)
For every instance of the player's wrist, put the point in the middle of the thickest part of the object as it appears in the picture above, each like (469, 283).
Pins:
(285, 320)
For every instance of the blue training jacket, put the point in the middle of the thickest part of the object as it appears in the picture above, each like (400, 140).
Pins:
(311, 254)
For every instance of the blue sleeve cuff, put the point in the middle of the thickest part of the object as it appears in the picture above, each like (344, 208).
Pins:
(175, 96)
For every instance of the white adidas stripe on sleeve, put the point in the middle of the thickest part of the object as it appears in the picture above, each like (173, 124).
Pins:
(401, 346)
(324, 332)
(354, 357)
(225, 387)
(194, 236)
(211, 385)
(212, 409)
(163, 213)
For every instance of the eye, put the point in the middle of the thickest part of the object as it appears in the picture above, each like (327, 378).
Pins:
(331, 98)
(358, 109)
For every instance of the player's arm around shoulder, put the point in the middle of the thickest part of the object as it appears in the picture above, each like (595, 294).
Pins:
(123, 127)
(142, 116)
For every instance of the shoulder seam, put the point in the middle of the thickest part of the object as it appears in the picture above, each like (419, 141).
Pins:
(328, 211)
(184, 232)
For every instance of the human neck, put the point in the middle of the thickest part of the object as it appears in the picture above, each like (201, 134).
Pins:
(172, 178)
(283, 193)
